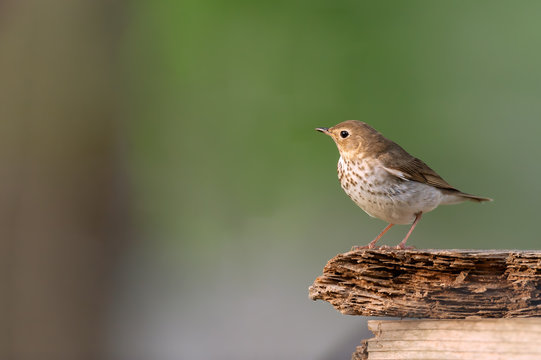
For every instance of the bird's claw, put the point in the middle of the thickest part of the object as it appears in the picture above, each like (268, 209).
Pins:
(404, 247)
(382, 247)
(369, 247)
(359, 247)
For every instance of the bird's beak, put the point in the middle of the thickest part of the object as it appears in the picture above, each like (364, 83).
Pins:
(323, 130)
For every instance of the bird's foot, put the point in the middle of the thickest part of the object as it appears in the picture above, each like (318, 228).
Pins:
(404, 247)
(363, 247)
(374, 247)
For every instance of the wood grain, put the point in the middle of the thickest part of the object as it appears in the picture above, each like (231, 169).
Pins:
(437, 284)
(482, 339)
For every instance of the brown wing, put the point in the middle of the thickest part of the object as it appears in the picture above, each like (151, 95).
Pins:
(399, 163)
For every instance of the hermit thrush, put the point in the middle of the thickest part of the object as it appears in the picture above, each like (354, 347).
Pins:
(386, 181)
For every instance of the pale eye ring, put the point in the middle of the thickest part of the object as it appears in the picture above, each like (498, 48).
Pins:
(344, 134)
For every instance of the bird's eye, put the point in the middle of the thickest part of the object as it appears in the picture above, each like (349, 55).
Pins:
(344, 134)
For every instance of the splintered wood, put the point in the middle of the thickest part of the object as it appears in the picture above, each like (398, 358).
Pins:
(437, 284)
(484, 339)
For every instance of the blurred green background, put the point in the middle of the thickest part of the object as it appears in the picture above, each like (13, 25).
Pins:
(164, 193)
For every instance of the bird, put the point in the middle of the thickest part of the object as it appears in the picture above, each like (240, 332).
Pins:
(386, 181)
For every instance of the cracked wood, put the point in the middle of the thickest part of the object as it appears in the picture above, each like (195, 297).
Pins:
(437, 284)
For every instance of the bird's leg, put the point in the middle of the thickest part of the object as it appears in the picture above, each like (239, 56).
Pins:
(373, 242)
(402, 244)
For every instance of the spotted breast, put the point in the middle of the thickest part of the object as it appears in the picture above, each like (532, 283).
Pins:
(382, 195)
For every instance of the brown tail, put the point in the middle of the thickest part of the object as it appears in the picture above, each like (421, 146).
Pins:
(475, 198)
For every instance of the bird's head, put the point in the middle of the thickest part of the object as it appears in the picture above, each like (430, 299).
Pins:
(352, 137)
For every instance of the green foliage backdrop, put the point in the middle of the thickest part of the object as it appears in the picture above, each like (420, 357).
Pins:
(237, 195)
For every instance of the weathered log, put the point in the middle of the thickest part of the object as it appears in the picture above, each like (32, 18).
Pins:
(437, 284)
(482, 339)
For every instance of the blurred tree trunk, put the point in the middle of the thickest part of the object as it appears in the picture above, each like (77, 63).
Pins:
(61, 211)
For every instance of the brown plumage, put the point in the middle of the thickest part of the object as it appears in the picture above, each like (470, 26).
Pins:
(386, 181)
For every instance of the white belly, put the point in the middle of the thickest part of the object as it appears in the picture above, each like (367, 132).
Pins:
(385, 196)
